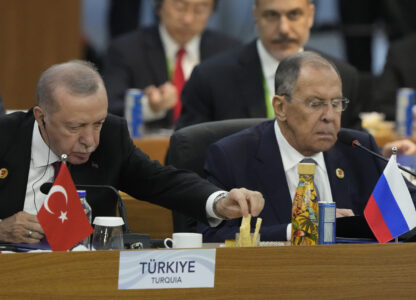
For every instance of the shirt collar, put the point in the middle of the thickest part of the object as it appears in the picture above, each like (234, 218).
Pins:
(171, 47)
(290, 156)
(40, 150)
(268, 63)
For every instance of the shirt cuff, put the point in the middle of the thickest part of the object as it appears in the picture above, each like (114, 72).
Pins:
(289, 231)
(148, 114)
(213, 219)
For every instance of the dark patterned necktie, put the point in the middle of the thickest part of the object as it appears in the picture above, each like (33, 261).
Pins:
(56, 167)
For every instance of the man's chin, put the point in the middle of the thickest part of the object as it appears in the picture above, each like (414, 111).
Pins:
(284, 50)
(325, 145)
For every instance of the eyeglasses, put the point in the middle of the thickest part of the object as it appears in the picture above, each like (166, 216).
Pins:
(338, 105)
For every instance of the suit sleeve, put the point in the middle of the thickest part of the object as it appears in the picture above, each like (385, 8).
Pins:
(220, 171)
(166, 186)
(350, 117)
(387, 85)
(117, 78)
(196, 102)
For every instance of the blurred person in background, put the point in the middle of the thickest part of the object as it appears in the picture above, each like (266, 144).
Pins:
(158, 59)
(240, 83)
(399, 72)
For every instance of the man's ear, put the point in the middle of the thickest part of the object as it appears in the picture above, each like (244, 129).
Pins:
(280, 107)
(39, 115)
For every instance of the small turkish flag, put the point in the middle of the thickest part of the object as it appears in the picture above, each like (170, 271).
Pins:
(62, 216)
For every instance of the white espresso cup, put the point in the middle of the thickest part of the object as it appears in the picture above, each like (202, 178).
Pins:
(184, 240)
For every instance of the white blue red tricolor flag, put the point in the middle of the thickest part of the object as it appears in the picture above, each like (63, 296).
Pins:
(390, 211)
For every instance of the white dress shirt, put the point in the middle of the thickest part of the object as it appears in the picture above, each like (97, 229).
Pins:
(269, 66)
(190, 59)
(291, 158)
(40, 171)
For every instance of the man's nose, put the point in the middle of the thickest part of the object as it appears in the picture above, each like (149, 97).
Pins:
(87, 137)
(188, 16)
(330, 113)
(284, 25)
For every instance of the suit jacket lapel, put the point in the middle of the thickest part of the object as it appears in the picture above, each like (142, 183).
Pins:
(206, 48)
(155, 55)
(271, 175)
(20, 160)
(250, 81)
(336, 164)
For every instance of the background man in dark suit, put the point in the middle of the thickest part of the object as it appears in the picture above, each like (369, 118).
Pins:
(308, 106)
(146, 58)
(71, 118)
(399, 71)
(240, 83)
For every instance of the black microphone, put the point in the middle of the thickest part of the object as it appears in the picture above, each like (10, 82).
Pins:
(346, 138)
(45, 188)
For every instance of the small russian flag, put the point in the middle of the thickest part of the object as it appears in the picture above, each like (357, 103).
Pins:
(390, 211)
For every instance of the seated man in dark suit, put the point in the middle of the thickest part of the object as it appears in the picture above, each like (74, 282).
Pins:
(2, 110)
(149, 59)
(240, 83)
(71, 118)
(399, 72)
(308, 105)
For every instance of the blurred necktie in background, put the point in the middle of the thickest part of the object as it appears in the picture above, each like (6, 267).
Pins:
(178, 82)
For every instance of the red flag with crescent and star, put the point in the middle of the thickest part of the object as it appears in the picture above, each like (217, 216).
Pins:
(62, 216)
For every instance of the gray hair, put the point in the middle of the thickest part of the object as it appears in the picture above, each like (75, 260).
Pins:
(79, 77)
(287, 72)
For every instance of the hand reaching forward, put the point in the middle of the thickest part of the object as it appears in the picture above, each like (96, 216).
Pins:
(403, 146)
(240, 202)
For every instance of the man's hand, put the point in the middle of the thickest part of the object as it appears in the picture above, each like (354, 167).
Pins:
(344, 212)
(403, 146)
(21, 228)
(161, 98)
(240, 202)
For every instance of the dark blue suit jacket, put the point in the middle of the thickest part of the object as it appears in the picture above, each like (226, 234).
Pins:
(251, 159)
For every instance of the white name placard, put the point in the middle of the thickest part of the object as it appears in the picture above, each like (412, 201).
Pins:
(165, 269)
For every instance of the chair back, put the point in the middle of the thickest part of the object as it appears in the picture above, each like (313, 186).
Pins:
(187, 150)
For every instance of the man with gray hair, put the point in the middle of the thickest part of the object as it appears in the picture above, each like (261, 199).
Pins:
(308, 105)
(240, 83)
(71, 118)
